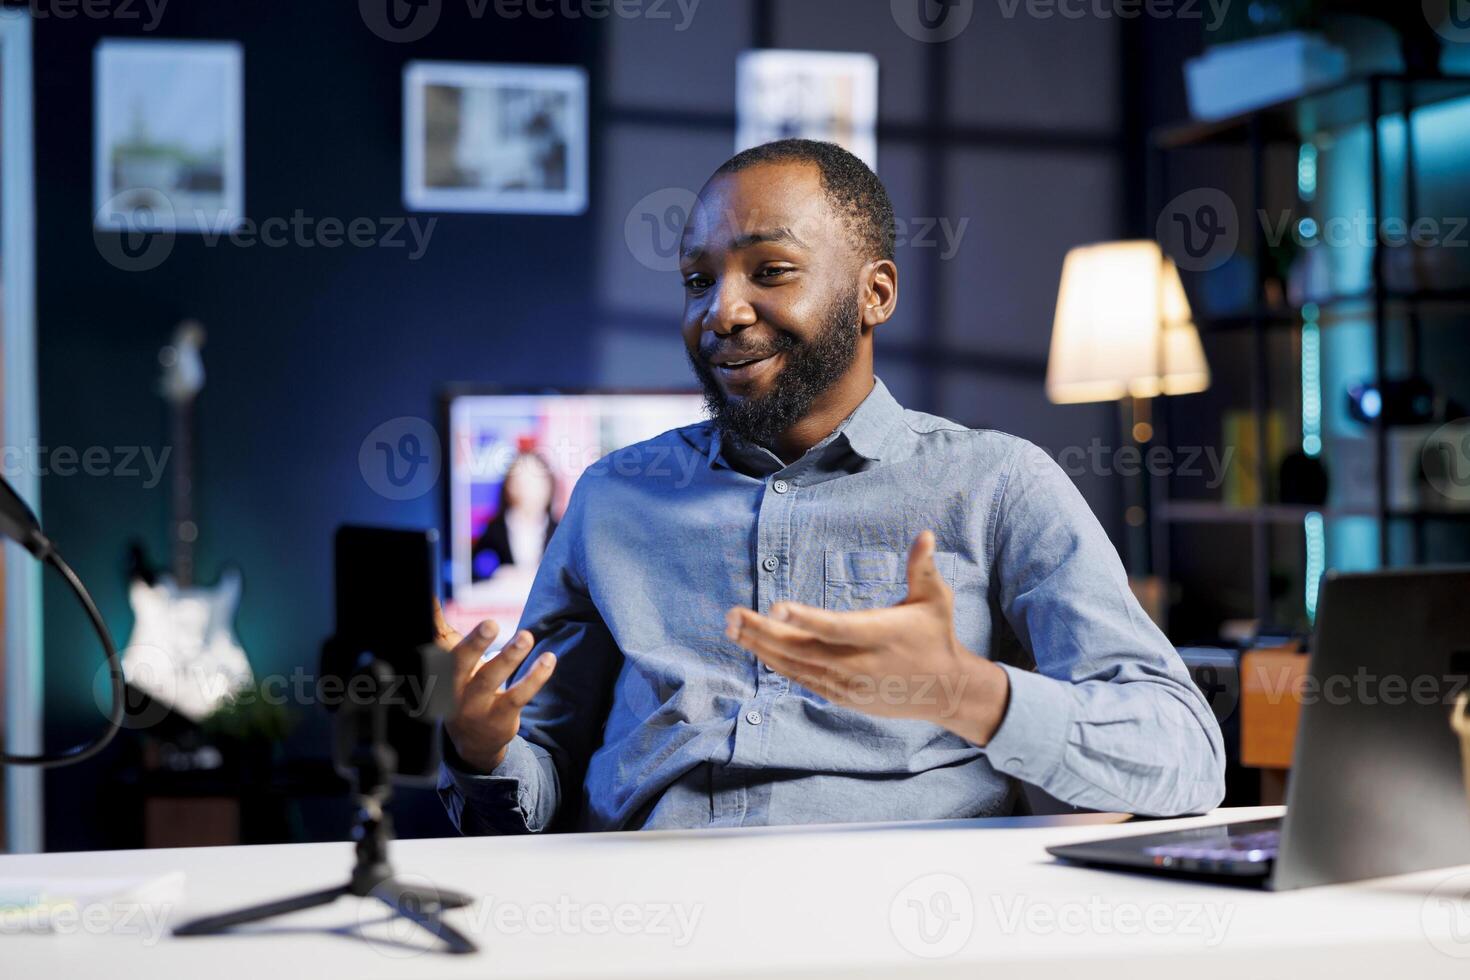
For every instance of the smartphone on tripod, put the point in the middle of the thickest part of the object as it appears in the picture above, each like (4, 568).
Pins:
(389, 684)
(387, 581)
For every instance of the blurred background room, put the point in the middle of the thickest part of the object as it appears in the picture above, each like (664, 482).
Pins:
(270, 268)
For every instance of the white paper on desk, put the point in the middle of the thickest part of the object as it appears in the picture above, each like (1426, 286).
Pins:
(91, 905)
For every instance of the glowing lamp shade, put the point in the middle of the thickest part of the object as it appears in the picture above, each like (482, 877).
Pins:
(1123, 328)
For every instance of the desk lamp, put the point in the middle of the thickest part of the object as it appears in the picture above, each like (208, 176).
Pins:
(1124, 332)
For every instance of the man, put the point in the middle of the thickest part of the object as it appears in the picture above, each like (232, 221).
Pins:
(818, 605)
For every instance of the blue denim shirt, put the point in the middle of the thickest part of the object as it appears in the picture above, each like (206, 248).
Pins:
(653, 719)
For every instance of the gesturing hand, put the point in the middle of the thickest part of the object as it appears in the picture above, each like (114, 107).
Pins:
(905, 661)
(486, 717)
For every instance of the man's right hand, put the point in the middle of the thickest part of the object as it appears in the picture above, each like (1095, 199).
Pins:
(486, 718)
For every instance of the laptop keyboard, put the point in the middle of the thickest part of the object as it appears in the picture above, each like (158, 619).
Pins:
(1253, 847)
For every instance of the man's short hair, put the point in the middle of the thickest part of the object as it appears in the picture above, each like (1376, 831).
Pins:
(852, 187)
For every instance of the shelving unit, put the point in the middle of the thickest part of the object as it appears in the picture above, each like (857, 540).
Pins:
(1208, 512)
(1352, 102)
(1337, 307)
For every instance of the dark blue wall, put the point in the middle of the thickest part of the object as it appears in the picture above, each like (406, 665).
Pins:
(308, 349)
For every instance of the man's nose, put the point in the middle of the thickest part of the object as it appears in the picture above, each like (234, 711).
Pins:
(729, 311)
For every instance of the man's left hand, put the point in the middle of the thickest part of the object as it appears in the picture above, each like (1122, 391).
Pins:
(905, 661)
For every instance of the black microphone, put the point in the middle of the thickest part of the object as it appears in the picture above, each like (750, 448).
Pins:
(18, 522)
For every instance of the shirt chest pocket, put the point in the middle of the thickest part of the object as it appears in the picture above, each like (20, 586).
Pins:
(873, 579)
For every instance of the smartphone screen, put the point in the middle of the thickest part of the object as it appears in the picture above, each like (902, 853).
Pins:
(386, 584)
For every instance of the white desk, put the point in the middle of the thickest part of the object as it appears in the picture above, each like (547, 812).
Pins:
(773, 902)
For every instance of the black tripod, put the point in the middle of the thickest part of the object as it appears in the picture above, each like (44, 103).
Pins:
(373, 762)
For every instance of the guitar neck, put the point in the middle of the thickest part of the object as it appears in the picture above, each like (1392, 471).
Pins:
(183, 529)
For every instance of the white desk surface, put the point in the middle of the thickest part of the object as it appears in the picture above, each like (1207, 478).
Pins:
(770, 902)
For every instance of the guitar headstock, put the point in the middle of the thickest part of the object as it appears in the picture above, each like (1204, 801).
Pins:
(183, 365)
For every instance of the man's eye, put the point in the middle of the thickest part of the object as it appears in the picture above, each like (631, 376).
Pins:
(696, 283)
(774, 271)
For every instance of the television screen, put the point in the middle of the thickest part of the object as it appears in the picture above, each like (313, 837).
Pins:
(513, 460)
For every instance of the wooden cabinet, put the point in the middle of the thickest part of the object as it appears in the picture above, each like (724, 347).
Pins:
(1270, 710)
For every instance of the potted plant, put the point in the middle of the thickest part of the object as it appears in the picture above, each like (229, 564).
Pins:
(249, 728)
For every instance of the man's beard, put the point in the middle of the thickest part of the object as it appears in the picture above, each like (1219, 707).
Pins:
(811, 368)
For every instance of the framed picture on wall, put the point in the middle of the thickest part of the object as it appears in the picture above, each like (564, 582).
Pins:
(168, 150)
(497, 138)
(819, 95)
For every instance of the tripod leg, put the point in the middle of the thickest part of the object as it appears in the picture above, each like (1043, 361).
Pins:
(212, 924)
(424, 906)
(427, 898)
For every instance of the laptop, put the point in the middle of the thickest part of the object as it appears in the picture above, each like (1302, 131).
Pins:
(1376, 786)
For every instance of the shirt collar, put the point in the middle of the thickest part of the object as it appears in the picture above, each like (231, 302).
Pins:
(866, 429)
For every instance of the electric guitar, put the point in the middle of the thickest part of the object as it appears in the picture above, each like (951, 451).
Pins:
(183, 652)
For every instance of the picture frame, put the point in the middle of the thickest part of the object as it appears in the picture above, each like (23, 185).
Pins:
(495, 138)
(168, 140)
(819, 95)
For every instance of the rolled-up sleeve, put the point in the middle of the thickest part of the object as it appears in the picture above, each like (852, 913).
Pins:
(1110, 719)
(538, 786)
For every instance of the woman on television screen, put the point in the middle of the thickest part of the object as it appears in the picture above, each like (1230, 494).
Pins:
(522, 525)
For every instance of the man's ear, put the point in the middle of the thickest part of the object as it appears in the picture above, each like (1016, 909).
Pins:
(879, 292)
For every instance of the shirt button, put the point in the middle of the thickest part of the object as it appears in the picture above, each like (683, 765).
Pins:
(754, 717)
(780, 486)
(768, 668)
(771, 563)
